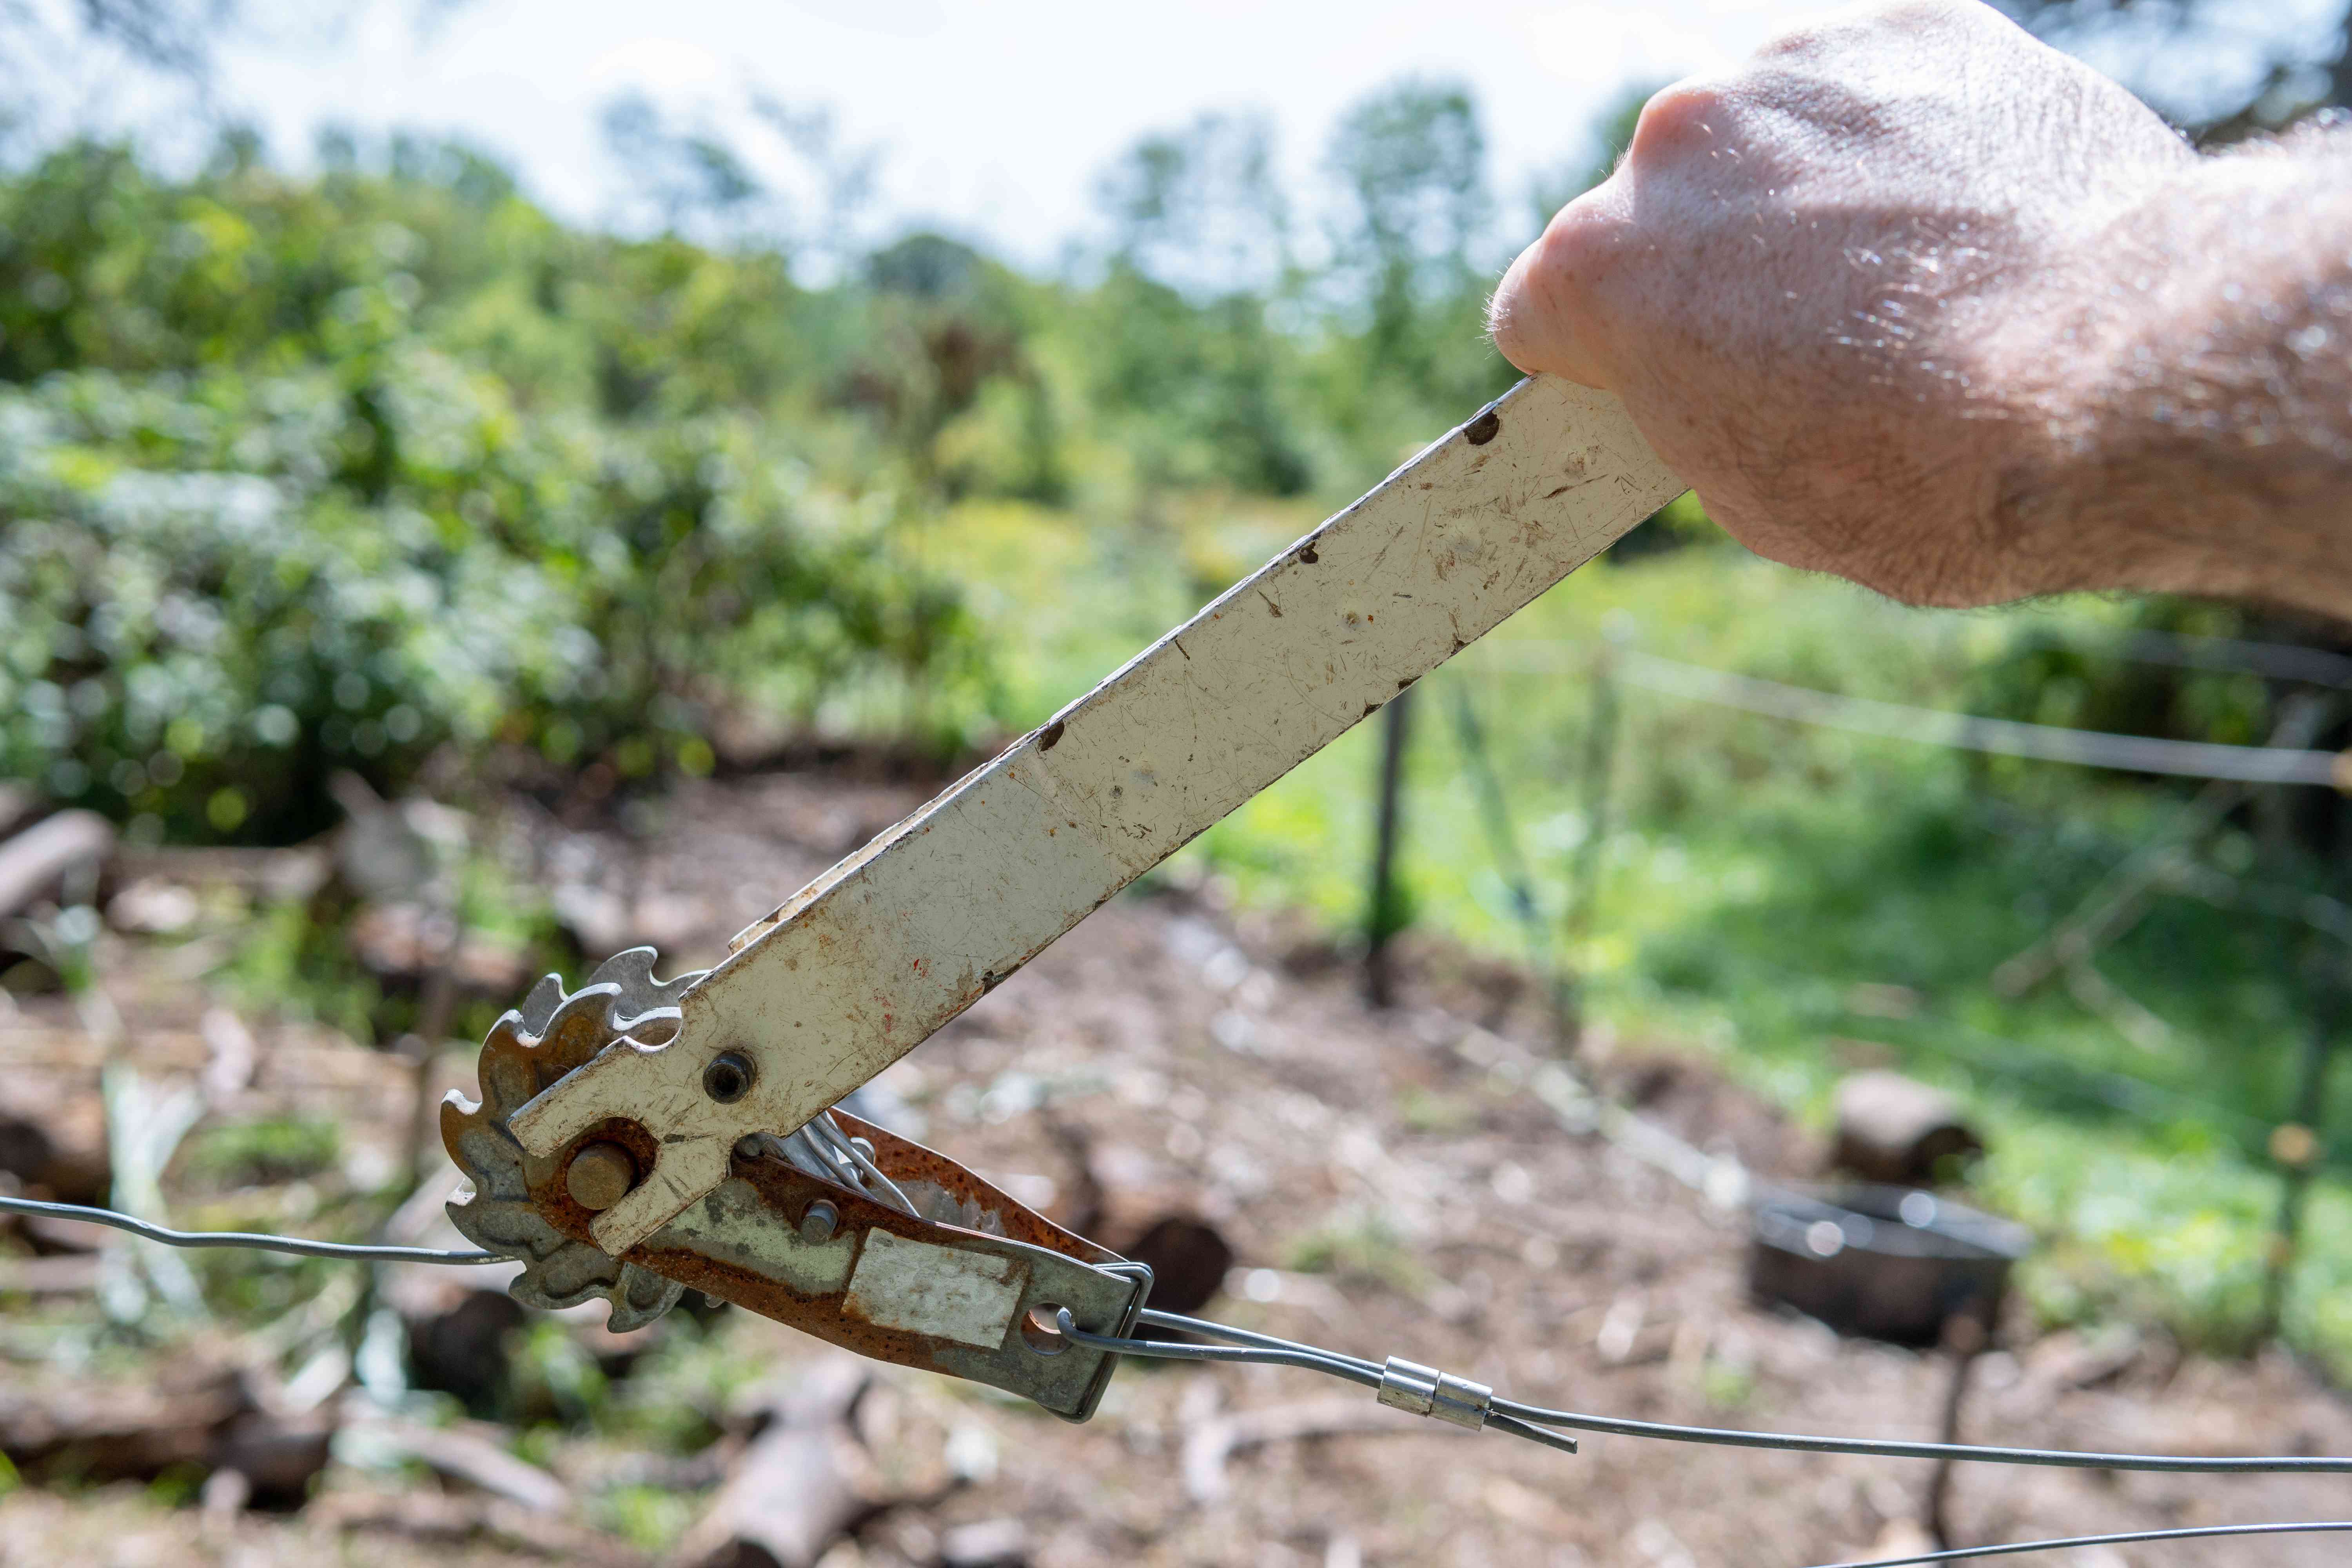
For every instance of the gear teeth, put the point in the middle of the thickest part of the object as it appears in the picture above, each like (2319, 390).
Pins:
(540, 1006)
(632, 970)
(553, 1033)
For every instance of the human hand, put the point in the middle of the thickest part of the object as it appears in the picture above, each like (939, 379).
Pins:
(1852, 292)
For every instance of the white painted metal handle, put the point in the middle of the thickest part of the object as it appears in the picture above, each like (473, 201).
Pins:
(866, 962)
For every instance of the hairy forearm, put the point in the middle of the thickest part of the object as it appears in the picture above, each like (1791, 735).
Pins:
(2202, 440)
(1912, 297)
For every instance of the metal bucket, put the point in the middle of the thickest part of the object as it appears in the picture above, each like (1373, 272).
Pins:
(1887, 1263)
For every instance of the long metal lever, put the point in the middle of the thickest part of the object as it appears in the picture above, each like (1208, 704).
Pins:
(866, 962)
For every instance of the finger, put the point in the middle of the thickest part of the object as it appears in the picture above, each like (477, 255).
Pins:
(1542, 314)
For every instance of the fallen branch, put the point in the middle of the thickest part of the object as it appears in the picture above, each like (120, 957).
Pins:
(478, 1461)
(804, 1483)
(423, 1516)
(46, 854)
(1210, 1443)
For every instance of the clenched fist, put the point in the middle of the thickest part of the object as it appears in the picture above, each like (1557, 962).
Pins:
(1916, 299)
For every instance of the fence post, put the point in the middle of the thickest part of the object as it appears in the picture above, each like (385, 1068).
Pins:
(1385, 913)
(2297, 1144)
(1965, 1339)
(1511, 862)
(1584, 888)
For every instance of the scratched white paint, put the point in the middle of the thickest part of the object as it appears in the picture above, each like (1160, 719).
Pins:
(864, 965)
(915, 1286)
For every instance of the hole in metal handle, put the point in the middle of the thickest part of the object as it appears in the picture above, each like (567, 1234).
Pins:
(1041, 1328)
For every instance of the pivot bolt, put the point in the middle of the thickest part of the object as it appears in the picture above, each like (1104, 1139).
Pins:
(600, 1176)
(728, 1078)
(816, 1224)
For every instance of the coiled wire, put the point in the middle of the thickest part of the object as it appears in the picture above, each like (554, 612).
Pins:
(821, 1150)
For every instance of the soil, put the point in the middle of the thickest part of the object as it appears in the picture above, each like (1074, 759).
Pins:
(1389, 1183)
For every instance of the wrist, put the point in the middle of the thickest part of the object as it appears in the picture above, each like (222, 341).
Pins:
(2170, 436)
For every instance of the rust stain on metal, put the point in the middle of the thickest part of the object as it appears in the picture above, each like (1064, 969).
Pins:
(786, 1193)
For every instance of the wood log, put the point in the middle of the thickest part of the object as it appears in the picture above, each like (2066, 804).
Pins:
(131, 1429)
(279, 1456)
(460, 1329)
(198, 1414)
(801, 1484)
(1897, 1131)
(1188, 1256)
(37, 861)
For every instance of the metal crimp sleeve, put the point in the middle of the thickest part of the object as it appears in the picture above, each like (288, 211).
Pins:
(1425, 1391)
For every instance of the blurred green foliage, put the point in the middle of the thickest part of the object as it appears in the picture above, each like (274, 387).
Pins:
(359, 470)
(247, 1154)
(296, 477)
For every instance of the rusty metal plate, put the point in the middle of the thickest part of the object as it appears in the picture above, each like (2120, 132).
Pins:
(950, 1294)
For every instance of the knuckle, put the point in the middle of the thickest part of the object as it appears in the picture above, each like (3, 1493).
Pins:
(1542, 316)
(1581, 246)
(1509, 322)
(1857, 26)
(1677, 120)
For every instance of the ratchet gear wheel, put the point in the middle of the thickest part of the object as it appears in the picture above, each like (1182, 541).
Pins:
(553, 1033)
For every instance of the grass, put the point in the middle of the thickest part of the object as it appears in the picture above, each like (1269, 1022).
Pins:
(1786, 898)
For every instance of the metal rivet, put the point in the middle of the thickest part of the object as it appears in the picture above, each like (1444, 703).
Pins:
(816, 1224)
(600, 1176)
(728, 1079)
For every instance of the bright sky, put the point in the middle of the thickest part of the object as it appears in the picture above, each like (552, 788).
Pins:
(997, 115)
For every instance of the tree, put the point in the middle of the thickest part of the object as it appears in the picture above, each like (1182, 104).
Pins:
(680, 176)
(2176, 53)
(1201, 209)
(838, 179)
(1199, 254)
(1411, 162)
(67, 62)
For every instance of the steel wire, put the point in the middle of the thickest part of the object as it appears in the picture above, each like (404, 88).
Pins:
(300, 1246)
(1355, 1369)
(1883, 1448)
(1966, 731)
(1246, 1346)
(2121, 1538)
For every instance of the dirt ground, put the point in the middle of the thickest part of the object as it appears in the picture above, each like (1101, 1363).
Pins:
(1391, 1183)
